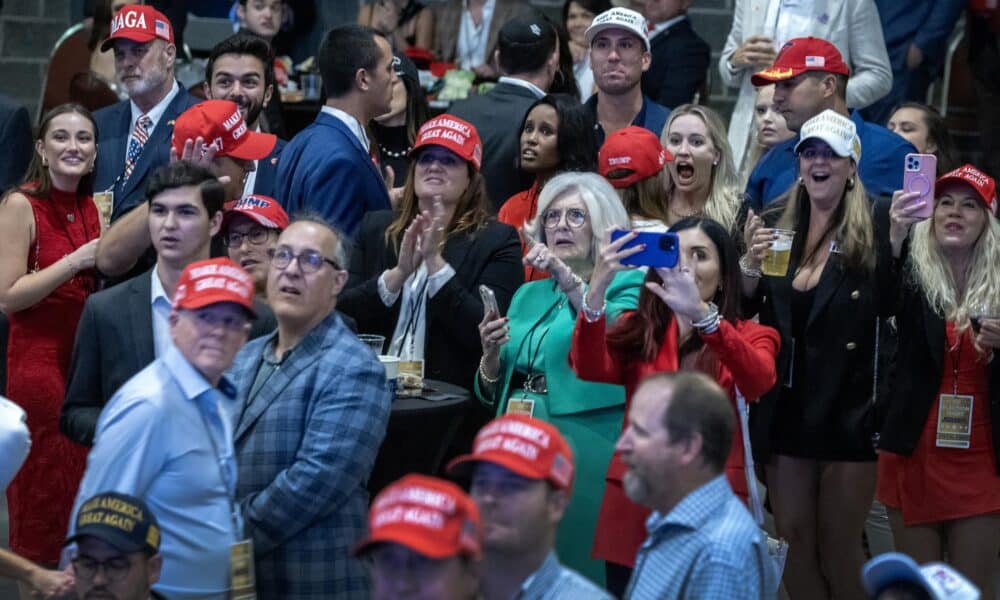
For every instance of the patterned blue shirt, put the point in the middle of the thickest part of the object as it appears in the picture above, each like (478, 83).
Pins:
(708, 547)
(162, 438)
(552, 581)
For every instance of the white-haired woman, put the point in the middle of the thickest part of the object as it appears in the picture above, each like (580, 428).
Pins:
(938, 465)
(527, 350)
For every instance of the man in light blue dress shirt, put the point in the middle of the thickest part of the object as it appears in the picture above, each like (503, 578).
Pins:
(163, 436)
(702, 542)
(522, 476)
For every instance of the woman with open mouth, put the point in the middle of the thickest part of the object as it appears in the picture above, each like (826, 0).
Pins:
(823, 290)
(557, 135)
(701, 180)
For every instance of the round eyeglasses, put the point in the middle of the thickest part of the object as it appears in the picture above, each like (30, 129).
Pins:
(575, 218)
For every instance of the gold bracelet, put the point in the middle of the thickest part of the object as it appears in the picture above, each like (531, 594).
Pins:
(482, 372)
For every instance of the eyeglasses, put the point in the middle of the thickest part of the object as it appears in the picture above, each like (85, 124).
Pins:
(115, 569)
(310, 261)
(256, 235)
(209, 320)
(575, 218)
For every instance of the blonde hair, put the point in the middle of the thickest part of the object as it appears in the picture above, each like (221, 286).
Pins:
(723, 202)
(852, 226)
(930, 271)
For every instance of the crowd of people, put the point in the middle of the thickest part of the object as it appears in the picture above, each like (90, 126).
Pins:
(771, 359)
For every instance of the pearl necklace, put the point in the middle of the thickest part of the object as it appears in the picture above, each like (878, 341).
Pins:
(391, 154)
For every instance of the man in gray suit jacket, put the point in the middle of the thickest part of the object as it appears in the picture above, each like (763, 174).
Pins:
(528, 55)
(311, 411)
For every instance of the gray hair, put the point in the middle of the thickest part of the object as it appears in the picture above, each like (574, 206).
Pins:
(602, 202)
(340, 254)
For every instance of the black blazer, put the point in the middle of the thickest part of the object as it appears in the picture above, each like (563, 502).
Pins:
(497, 116)
(838, 422)
(114, 341)
(492, 257)
(16, 150)
(113, 130)
(916, 372)
(679, 66)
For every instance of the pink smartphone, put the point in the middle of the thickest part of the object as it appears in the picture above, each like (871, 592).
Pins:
(919, 174)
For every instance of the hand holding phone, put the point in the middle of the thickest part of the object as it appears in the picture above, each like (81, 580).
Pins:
(919, 175)
(662, 249)
(489, 300)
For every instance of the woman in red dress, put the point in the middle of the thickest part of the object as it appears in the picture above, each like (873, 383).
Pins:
(939, 466)
(48, 238)
(557, 135)
(687, 319)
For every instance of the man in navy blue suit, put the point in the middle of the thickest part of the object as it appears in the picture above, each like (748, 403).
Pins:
(238, 70)
(680, 56)
(327, 168)
(134, 134)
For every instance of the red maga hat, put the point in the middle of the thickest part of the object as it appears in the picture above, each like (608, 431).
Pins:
(984, 185)
(428, 515)
(634, 149)
(264, 210)
(212, 281)
(530, 447)
(800, 55)
(221, 125)
(139, 23)
(454, 134)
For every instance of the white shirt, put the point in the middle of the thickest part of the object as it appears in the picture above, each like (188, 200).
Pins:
(154, 114)
(584, 76)
(790, 18)
(353, 124)
(160, 305)
(251, 179)
(471, 49)
(661, 27)
(411, 327)
(15, 441)
(534, 89)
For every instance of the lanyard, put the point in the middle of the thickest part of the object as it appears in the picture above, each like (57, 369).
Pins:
(411, 321)
(955, 354)
(529, 337)
(220, 463)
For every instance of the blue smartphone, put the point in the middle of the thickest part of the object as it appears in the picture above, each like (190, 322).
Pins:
(663, 249)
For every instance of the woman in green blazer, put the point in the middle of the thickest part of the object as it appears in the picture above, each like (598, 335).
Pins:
(525, 366)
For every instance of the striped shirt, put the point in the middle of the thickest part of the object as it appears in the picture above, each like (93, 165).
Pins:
(552, 581)
(707, 547)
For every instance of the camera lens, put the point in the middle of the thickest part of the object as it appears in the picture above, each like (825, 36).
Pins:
(667, 243)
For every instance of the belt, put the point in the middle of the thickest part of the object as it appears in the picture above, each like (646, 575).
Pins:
(533, 383)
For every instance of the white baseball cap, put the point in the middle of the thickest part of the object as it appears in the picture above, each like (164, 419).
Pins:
(939, 580)
(836, 130)
(619, 18)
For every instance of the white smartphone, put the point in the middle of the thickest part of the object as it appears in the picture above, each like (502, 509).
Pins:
(489, 300)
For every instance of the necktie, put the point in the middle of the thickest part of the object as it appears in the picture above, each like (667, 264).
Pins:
(139, 136)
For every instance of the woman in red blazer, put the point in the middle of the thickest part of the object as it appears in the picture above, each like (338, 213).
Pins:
(687, 319)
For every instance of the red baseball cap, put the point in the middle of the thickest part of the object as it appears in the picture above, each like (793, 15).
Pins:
(427, 515)
(530, 447)
(220, 124)
(212, 281)
(984, 185)
(450, 132)
(139, 23)
(635, 149)
(262, 209)
(800, 55)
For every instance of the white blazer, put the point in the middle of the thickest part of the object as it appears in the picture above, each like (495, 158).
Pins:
(852, 26)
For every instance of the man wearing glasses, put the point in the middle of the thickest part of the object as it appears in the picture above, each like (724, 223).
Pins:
(311, 412)
(165, 435)
(117, 549)
(619, 55)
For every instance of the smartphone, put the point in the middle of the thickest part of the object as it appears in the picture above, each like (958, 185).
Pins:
(919, 175)
(663, 249)
(489, 300)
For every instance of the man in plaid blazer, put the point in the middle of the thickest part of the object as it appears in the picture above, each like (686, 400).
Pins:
(311, 413)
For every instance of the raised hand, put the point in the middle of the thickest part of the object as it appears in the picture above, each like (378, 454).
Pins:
(679, 292)
(609, 263)
(902, 215)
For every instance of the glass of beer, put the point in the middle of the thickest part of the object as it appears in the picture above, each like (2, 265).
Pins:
(103, 201)
(776, 256)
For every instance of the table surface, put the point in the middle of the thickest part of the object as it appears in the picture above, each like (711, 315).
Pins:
(445, 397)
